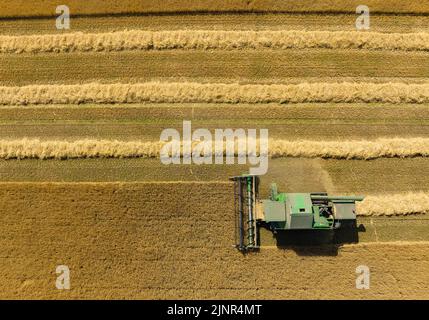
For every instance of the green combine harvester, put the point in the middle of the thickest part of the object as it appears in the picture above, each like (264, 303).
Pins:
(286, 212)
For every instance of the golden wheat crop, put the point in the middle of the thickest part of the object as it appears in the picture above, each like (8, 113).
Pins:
(169, 240)
(205, 40)
(87, 148)
(349, 92)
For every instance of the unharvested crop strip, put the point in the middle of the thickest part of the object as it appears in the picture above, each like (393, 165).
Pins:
(208, 40)
(171, 92)
(87, 148)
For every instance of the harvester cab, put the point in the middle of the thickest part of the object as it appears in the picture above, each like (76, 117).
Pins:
(284, 212)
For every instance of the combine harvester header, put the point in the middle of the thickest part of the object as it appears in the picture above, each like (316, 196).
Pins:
(284, 212)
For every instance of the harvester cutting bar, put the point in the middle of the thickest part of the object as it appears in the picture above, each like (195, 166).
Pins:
(245, 191)
(238, 202)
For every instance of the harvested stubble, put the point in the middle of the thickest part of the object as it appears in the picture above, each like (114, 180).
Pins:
(359, 112)
(230, 21)
(174, 92)
(208, 66)
(87, 148)
(20, 8)
(207, 40)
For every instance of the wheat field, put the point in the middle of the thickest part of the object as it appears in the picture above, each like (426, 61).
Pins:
(120, 229)
(82, 111)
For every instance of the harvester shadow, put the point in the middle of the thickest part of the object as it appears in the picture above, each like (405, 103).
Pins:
(318, 242)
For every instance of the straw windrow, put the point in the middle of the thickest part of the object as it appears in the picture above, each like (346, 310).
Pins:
(183, 92)
(208, 40)
(87, 148)
(394, 204)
